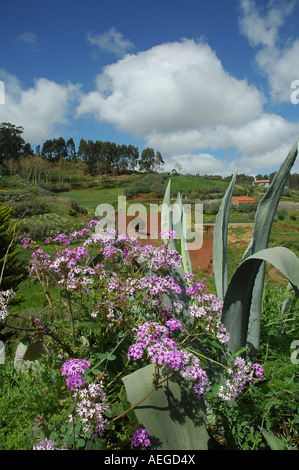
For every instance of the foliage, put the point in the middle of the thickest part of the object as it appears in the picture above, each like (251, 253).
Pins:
(272, 407)
(151, 183)
(11, 269)
(243, 296)
(11, 142)
(112, 289)
(122, 311)
(150, 161)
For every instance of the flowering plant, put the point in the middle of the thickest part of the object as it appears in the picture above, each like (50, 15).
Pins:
(119, 308)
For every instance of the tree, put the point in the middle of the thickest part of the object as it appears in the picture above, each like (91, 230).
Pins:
(48, 149)
(55, 149)
(149, 161)
(27, 149)
(71, 149)
(11, 141)
(293, 181)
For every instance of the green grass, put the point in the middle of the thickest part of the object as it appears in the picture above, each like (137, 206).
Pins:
(91, 198)
(194, 183)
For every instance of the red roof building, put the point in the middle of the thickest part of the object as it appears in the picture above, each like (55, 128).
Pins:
(236, 200)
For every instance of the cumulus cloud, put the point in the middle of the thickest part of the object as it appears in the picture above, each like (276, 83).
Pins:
(174, 86)
(38, 109)
(279, 63)
(111, 41)
(199, 163)
(180, 99)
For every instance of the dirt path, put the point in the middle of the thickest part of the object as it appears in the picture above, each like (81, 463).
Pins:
(202, 258)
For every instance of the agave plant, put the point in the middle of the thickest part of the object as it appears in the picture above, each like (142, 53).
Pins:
(242, 297)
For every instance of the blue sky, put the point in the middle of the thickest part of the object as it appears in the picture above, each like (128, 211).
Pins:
(205, 82)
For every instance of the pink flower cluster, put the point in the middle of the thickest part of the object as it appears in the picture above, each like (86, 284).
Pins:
(160, 259)
(207, 308)
(240, 374)
(4, 299)
(91, 408)
(168, 234)
(66, 267)
(63, 239)
(73, 369)
(152, 284)
(47, 444)
(141, 438)
(153, 339)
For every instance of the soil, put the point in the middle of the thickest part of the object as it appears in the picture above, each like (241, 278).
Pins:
(201, 258)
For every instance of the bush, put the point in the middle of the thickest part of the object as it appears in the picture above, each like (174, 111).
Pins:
(281, 215)
(47, 225)
(146, 185)
(158, 189)
(58, 187)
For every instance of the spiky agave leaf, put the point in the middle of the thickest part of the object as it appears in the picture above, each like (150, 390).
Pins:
(238, 298)
(220, 240)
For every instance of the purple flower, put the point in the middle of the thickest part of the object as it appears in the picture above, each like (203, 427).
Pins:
(154, 341)
(74, 366)
(141, 438)
(26, 242)
(73, 369)
(259, 371)
(75, 381)
(173, 324)
(240, 374)
(47, 444)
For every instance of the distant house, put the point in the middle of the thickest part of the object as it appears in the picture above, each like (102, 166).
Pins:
(236, 200)
(262, 183)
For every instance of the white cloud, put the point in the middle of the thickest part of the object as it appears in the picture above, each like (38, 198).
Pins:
(111, 41)
(176, 86)
(199, 163)
(28, 38)
(278, 63)
(262, 30)
(179, 98)
(38, 109)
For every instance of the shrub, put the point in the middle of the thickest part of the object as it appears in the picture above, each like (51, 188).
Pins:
(47, 225)
(146, 185)
(57, 187)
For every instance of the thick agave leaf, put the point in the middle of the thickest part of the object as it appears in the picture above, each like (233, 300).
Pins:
(2, 353)
(166, 217)
(263, 223)
(267, 206)
(220, 241)
(180, 218)
(240, 291)
(173, 416)
(274, 442)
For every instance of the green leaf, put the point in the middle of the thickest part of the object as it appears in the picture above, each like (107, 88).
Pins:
(35, 351)
(267, 206)
(81, 442)
(172, 414)
(166, 221)
(243, 298)
(98, 444)
(220, 240)
(274, 442)
(263, 223)
(240, 351)
(180, 218)
(238, 298)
